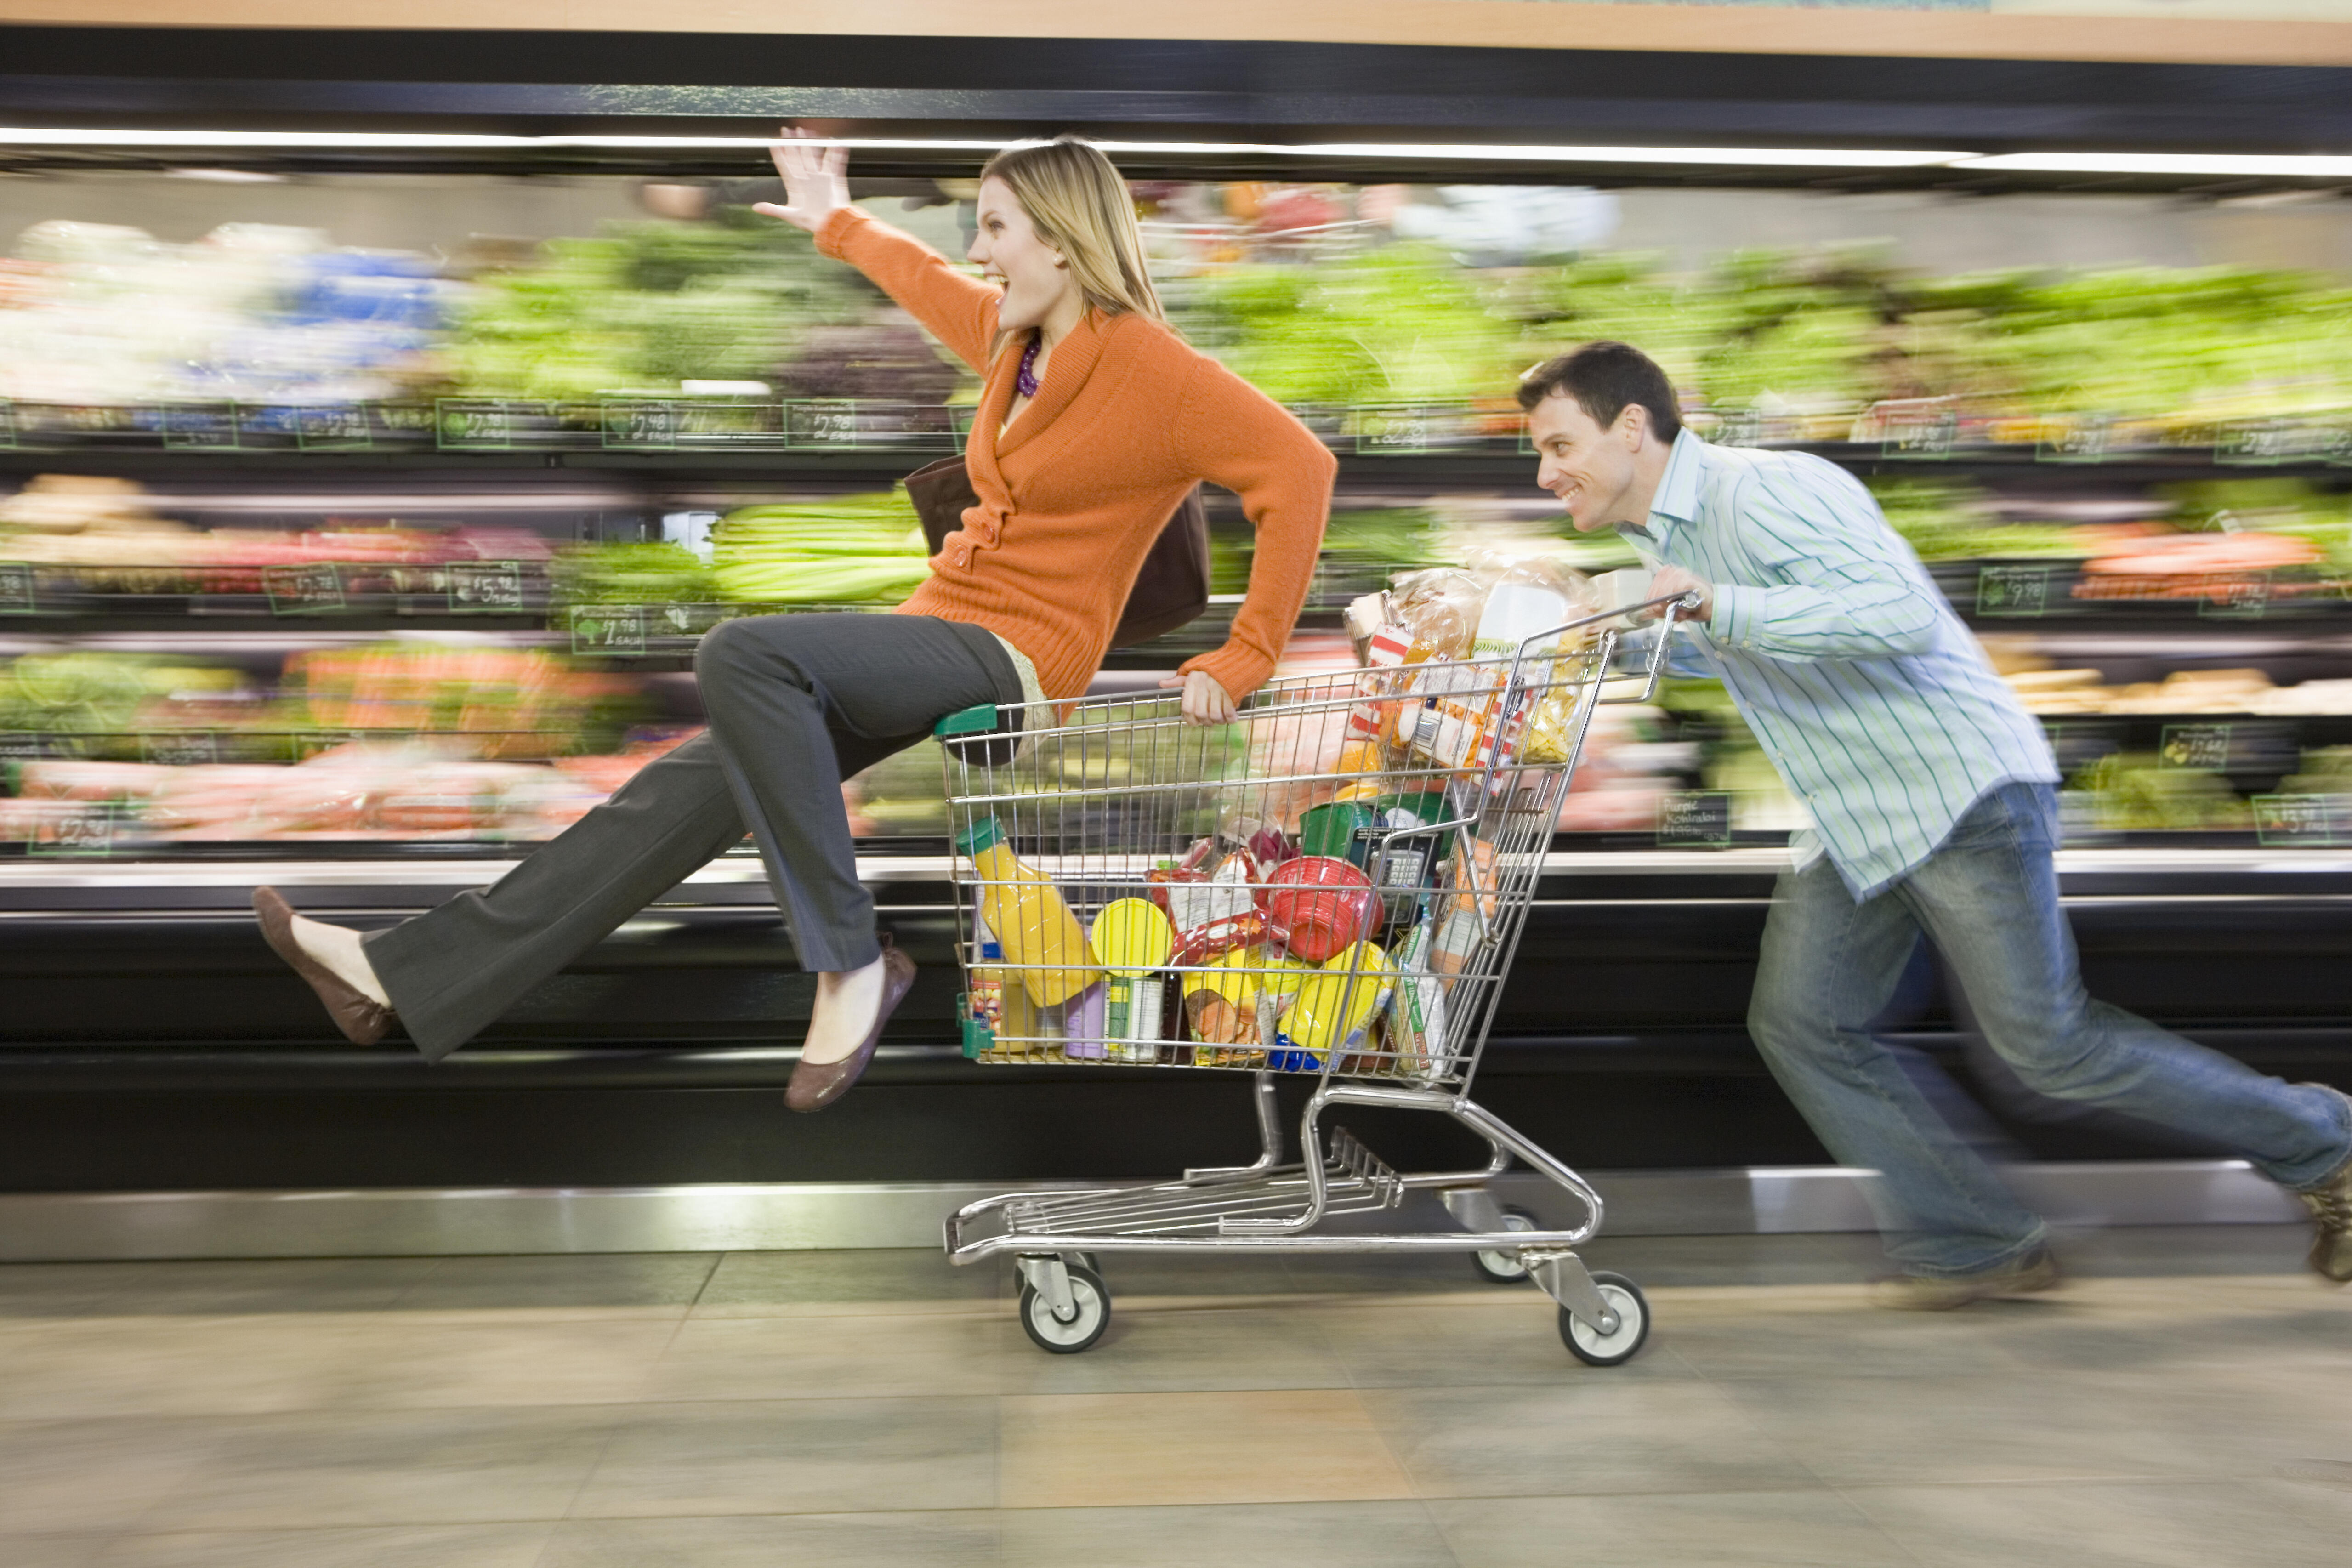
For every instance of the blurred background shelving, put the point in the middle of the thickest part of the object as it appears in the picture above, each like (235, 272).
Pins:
(361, 506)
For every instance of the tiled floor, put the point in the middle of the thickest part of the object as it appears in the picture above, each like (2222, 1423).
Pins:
(2187, 1400)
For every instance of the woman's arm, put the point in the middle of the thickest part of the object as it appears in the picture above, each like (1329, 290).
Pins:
(1231, 434)
(960, 310)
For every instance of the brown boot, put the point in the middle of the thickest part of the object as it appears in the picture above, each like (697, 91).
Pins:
(2037, 1270)
(2330, 1202)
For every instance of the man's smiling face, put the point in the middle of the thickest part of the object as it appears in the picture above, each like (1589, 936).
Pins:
(1590, 469)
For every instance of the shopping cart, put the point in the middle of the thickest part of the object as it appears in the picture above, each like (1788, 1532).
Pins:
(1128, 897)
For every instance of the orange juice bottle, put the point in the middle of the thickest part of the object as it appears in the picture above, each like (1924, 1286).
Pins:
(1032, 923)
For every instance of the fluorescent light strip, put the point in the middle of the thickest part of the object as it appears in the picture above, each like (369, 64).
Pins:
(2221, 165)
(1750, 157)
(2216, 165)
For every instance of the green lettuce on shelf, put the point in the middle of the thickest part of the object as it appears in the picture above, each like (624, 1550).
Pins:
(648, 305)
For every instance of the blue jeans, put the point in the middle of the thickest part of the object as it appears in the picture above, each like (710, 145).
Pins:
(1988, 898)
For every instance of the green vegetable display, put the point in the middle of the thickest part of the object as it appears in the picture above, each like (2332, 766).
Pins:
(844, 551)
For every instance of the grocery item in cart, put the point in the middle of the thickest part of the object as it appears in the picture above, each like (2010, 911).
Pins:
(1077, 1024)
(981, 1013)
(1334, 1008)
(1133, 939)
(1041, 938)
(1317, 905)
(1416, 1023)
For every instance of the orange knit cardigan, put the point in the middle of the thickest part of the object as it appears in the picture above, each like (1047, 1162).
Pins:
(1070, 501)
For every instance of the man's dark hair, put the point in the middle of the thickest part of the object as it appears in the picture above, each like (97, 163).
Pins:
(1606, 379)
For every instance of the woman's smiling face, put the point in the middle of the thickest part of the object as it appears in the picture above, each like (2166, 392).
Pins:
(1010, 252)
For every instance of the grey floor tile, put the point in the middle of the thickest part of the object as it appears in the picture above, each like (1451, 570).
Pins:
(1166, 1347)
(818, 1358)
(2314, 1490)
(395, 1546)
(418, 1361)
(389, 1468)
(649, 1284)
(1585, 1430)
(2219, 1323)
(847, 1284)
(64, 1477)
(1399, 1274)
(1980, 1429)
(1721, 1529)
(2173, 1525)
(1511, 1337)
(915, 1539)
(48, 1550)
(178, 1365)
(1804, 1331)
(797, 1456)
(228, 1287)
(1833, 1258)
(1233, 1535)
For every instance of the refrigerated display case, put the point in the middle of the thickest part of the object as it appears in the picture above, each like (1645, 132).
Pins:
(356, 570)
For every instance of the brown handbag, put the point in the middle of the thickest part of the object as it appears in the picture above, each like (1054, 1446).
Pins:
(1170, 591)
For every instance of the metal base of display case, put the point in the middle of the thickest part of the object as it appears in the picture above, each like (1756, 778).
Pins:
(421, 1222)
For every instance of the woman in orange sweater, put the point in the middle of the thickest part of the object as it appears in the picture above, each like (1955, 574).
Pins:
(1094, 421)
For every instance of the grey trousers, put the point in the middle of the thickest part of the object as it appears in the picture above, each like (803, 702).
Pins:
(797, 704)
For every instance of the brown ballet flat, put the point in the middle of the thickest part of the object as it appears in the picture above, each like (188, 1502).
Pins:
(360, 1017)
(816, 1085)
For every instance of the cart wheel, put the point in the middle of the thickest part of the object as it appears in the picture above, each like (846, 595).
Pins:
(1090, 1300)
(1505, 1268)
(1592, 1347)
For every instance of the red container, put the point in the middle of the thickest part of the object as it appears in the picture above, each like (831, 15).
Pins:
(1317, 905)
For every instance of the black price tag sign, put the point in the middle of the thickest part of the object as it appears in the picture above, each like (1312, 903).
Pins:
(403, 421)
(1696, 819)
(486, 588)
(2198, 748)
(2298, 821)
(1393, 432)
(23, 745)
(1921, 435)
(2012, 590)
(1742, 427)
(473, 425)
(90, 831)
(16, 588)
(180, 748)
(2084, 441)
(612, 631)
(7, 423)
(2236, 599)
(823, 422)
(641, 427)
(201, 427)
(314, 589)
(335, 427)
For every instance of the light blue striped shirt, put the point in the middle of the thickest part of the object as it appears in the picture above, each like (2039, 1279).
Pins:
(1866, 691)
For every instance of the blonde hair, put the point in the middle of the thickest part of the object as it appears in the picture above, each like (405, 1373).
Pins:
(1079, 205)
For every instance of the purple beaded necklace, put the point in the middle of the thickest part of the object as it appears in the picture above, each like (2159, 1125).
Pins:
(1025, 379)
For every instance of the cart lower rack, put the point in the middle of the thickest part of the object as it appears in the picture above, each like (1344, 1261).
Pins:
(1332, 888)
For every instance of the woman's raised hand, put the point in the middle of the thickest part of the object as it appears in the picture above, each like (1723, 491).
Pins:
(816, 180)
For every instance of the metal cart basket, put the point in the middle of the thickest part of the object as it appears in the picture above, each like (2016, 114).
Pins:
(1333, 886)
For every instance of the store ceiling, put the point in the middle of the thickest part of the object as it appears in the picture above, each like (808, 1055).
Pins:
(585, 84)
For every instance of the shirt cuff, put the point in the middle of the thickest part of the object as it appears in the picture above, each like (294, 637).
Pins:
(833, 233)
(1736, 612)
